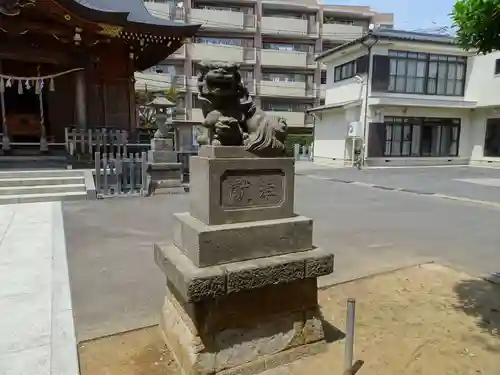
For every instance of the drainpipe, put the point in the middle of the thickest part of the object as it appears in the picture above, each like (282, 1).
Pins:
(313, 134)
(368, 43)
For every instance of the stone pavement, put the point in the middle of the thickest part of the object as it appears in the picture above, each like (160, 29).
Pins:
(36, 326)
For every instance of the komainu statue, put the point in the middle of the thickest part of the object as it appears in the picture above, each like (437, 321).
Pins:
(13, 7)
(231, 116)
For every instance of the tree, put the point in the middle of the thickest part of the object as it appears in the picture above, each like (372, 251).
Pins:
(146, 113)
(478, 24)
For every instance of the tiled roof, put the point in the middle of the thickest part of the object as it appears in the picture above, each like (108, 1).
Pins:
(391, 34)
(135, 9)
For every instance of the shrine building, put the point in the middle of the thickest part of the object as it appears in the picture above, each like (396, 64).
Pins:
(67, 63)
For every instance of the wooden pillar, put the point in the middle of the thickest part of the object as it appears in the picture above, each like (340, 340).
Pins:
(5, 130)
(80, 100)
(133, 114)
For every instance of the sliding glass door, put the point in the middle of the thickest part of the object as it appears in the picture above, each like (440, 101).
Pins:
(421, 137)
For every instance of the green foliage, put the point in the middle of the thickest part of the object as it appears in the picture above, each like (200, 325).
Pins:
(301, 139)
(146, 113)
(478, 24)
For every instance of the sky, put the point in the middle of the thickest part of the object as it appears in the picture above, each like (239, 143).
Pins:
(409, 14)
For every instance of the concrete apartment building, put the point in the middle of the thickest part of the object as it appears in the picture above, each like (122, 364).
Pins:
(275, 42)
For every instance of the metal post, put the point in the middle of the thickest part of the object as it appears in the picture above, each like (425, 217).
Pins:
(349, 338)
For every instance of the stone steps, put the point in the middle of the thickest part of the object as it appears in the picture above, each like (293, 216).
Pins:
(41, 189)
(44, 197)
(27, 186)
(44, 181)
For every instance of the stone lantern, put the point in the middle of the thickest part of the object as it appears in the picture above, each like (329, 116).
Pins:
(163, 115)
(164, 170)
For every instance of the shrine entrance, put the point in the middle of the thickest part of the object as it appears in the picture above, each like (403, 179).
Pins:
(25, 113)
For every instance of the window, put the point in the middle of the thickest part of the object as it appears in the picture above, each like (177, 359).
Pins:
(345, 71)
(286, 47)
(492, 138)
(225, 41)
(497, 66)
(323, 77)
(423, 73)
(284, 77)
(283, 106)
(408, 136)
(215, 7)
(333, 20)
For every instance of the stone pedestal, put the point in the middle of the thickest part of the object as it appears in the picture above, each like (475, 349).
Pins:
(241, 293)
(164, 172)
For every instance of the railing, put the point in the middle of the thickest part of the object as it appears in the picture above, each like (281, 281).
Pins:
(303, 152)
(120, 175)
(85, 143)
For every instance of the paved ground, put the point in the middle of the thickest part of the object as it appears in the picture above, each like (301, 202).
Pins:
(110, 242)
(36, 325)
(466, 182)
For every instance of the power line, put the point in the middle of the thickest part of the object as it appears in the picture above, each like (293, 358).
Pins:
(191, 86)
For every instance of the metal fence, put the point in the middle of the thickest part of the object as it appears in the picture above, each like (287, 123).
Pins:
(303, 152)
(120, 174)
(104, 141)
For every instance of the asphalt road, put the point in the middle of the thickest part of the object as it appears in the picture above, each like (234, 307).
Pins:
(466, 182)
(116, 285)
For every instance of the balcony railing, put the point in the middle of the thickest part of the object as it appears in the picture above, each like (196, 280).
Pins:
(340, 32)
(279, 88)
(222, 19)
(271, 57)
(179, 54)
(222, 52)
(293, 119)
(284, 26)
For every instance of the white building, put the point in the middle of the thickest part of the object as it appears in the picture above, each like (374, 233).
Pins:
(424, 101)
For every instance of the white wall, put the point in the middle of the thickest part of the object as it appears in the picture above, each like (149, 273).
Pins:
(329, 137)
(482, 84)
(346, 90)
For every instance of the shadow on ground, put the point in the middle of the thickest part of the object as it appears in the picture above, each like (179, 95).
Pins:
(480, 298)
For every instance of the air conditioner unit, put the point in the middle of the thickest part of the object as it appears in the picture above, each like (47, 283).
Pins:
(354, 129)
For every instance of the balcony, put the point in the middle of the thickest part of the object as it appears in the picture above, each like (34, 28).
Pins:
(179, 54)
(289, 89)
(341, 32)
(293, 119)
(166, 11)
(196, 115)
(222, 19)
(222, 52)
(284, 26)
(280, 58)
(322, 93)
(152, 81)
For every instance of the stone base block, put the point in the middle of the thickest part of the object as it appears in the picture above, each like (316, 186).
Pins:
(162, 144)
(210, 245)
(158, 156)
(229, 186)
(164, 176)
(195, 284)
(244, 333)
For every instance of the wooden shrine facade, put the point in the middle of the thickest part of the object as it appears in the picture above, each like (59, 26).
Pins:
(70, 63)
